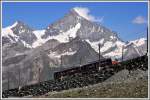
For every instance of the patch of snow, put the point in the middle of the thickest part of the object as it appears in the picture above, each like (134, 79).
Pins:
(112, 37)
(78, 17)
(26, 45)
(64, 36)
(107, 45)
(13, 25)
(99, 28)
(114, 54)
(39, 33)
(83, 12)
(102, 30)
(94, 45)
(21, 31)
(68, 53)
(138, 42)
(72, 32)
(120, 44)
(93, 29)
(7, 31)
(39, 41)
(17, 54)
(16, 38)
(117, 53)
(56, 55)
(21, 27)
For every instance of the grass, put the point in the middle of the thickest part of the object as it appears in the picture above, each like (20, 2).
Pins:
(134, 89)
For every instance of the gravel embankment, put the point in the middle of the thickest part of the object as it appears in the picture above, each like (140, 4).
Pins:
(121, 85)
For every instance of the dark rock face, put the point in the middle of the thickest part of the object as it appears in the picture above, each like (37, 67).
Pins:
(13, 60)
(24, 32)
(83, 53)
(91, 31)
(5, 40)
(64, 24)
(30, 68)
(19, 33)
(88, 30)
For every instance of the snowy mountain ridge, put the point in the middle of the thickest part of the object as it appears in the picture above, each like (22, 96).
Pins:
(73, 25)
(138, 42)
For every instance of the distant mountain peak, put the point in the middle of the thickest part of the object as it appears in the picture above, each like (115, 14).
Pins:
(138, 42)
(21, 25)
(84, 13)
(14, 25)
(74, 12)
(77, 14)
(17, 23)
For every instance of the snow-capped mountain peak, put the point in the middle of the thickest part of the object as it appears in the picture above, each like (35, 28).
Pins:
(78, 12)
(17, 23)
(18, 33)
(74, 12)
(7, 30)
(13, 24)
(139, 42)
(84, 12)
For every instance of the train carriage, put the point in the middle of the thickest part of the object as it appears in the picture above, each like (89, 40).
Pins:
(82, 69)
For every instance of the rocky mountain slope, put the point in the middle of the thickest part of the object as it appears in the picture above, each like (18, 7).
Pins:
(70, 41)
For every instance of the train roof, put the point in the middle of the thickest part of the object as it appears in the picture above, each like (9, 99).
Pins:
(69, 68)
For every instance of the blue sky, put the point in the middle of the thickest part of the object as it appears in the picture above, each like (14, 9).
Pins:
(129, 20)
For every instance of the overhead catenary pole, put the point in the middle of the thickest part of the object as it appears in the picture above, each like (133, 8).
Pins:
(147, 40)
(8, 80)
(80, 61)
(61, 66)
(19, 77)
(60, 61)
(99, 46)
(39, 69)
(26, 79)
(122, 52)
(39, 74)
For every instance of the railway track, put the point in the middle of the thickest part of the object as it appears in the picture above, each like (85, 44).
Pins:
(77, 79)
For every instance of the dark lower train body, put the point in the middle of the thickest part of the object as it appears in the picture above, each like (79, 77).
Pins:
(103, 64)
(96, 65)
